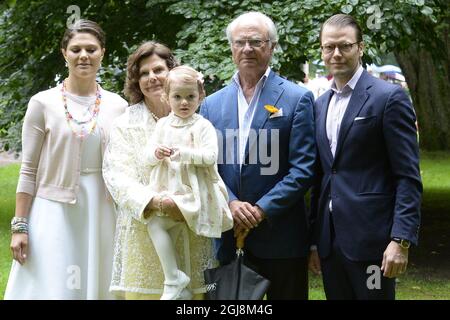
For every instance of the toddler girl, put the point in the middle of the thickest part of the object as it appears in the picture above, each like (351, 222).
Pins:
(183, 156)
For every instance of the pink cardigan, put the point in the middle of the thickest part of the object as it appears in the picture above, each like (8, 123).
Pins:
(51, 152)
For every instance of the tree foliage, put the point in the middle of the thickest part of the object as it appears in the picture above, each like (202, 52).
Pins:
(30, 32)
(388, 26)
(30, 56)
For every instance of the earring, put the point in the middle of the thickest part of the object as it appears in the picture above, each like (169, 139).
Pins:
(66, 64)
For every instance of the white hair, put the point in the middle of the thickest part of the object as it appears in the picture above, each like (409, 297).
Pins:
(254, 15)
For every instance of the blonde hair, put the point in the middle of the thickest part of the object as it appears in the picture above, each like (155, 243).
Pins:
(187, 75)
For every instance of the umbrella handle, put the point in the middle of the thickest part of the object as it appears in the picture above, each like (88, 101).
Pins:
(240, 239)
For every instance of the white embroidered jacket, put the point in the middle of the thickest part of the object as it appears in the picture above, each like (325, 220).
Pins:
(126, 171)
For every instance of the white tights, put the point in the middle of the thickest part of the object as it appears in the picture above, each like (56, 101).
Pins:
(163, 232)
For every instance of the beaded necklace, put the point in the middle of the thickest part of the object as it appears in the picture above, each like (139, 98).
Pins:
(154, 116)
(92, 121)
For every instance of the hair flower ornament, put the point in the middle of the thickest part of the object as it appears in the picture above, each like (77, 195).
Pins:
(200, 77)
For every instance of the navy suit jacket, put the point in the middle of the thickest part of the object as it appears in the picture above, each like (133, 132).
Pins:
(289, 140)
(374, 178)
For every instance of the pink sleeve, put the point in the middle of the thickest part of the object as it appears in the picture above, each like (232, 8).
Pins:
(33, 134)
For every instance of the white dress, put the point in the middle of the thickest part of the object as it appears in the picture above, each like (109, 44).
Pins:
(70, 245)
(190, 177)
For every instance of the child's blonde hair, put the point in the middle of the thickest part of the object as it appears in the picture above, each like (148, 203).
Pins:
(187, 75)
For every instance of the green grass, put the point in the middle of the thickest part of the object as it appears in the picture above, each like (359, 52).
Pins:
(428, 275)
(8, 183)
(415, 284)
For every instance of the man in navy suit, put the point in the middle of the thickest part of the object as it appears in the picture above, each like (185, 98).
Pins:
(367, 194)
(266, 131)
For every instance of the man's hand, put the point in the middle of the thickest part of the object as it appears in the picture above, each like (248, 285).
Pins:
(245, 215)
(395, 260)
(260, 214)
(314, 262)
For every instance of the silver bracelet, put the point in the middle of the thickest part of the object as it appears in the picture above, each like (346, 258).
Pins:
(19, 225)
(19, 219)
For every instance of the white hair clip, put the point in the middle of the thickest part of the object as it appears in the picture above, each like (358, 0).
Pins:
(200, 77)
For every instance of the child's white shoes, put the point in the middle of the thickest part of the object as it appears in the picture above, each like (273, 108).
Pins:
(185, 294)
(176, 289)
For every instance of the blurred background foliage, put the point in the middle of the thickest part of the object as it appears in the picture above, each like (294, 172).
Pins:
(412, 30)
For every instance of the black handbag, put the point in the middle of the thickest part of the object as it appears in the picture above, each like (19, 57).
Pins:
(235, 281)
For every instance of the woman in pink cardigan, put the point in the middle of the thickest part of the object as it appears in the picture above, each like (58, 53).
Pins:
(64, 224)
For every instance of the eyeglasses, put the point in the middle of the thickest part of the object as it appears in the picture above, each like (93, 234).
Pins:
(254, 43)
(343, 47)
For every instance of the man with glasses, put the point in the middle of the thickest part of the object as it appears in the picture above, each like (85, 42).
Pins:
(366, 199)
(261, 114)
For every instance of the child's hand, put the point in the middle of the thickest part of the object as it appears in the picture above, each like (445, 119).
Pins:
(175, 154)
(162, 151)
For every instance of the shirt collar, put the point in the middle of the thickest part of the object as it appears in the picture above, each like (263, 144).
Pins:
(263, 78)
(351, 84)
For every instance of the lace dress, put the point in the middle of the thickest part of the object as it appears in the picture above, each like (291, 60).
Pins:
(136, 266)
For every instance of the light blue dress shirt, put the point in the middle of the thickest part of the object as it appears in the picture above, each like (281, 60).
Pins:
(246, 111)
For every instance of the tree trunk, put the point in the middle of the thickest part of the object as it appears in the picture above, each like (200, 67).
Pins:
(429, 84)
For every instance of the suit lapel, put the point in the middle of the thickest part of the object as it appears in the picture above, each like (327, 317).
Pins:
(357, 101)
(322, 137)
(230, 110)
(270, 95)
(230, 116)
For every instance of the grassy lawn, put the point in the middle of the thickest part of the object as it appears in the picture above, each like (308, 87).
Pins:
(8, 183)
(428, 275)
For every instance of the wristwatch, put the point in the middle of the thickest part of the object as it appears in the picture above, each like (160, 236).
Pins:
(405, 244)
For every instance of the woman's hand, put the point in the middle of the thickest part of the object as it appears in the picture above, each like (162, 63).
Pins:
(171, 209)
(19, 247)
(152, 207)
(168, 206)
